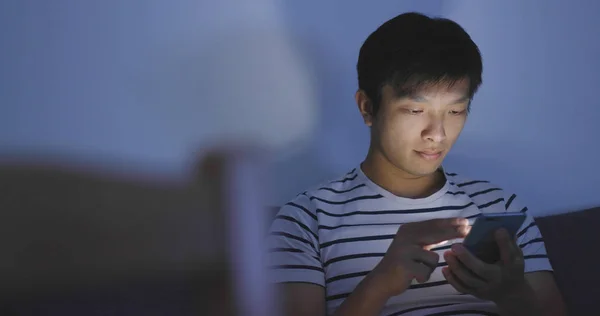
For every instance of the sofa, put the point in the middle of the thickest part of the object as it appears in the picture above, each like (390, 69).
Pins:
(570, 239)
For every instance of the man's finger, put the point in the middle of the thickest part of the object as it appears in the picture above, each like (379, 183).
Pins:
(509, 250)
(461, 272)
(443, 234)
(447, 222)
(421, 272)
(473, 263)
(453, 280)
(438, 245)
(429, 258)
(436, 231)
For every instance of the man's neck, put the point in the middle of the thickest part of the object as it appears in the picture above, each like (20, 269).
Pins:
(397, 181)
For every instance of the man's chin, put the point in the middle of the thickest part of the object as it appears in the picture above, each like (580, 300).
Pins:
(423, 171)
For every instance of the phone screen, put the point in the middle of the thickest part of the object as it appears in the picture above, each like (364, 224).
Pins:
(481, 240)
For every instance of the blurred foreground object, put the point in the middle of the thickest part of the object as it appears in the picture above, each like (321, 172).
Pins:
(84, 243)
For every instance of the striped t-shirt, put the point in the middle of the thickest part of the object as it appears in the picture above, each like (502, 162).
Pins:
(335, 234)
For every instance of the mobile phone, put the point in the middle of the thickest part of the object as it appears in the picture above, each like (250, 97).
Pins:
(481, 239)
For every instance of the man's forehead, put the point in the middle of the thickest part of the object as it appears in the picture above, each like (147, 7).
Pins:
(456, 92)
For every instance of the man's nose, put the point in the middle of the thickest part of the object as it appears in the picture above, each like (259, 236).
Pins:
(435, 131)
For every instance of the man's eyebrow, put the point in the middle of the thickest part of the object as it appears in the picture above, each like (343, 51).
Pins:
(461, 100)
(417, 98)
(421, 98)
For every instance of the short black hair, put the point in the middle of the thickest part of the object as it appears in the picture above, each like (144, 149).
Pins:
(413, 50)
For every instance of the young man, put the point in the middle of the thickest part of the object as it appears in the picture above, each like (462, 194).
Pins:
(372, 242)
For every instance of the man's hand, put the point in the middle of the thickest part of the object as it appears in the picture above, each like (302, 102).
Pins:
(494, 282)
(409, 256)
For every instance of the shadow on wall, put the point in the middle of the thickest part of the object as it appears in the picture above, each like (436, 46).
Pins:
(307, 165)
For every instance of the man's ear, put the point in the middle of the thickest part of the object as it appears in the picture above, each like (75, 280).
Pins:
(365, 106)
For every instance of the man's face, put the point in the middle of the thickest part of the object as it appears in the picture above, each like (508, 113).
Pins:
(415, 133)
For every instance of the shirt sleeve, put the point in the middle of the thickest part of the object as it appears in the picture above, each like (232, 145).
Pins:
(294, 244)
(529, 239)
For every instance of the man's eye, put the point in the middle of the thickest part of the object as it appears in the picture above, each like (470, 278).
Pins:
(413, 111)
(457, 112)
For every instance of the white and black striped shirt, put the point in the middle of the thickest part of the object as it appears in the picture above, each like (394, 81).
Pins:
(336, 234)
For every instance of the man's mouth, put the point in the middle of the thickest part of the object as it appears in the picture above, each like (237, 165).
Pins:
(430, 154)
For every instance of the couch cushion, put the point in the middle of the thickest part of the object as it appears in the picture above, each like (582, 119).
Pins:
(571, 240)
